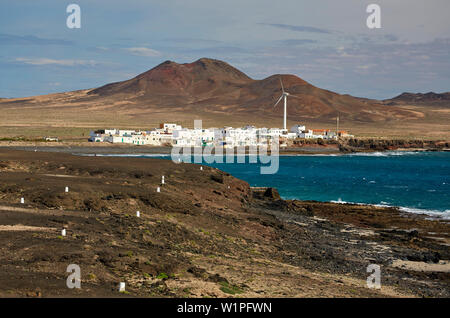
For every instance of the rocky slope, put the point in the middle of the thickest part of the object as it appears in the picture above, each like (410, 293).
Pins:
(206, 234)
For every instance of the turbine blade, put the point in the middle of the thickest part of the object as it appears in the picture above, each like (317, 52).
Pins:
(278, 101)
(282, 88)
(290, 95)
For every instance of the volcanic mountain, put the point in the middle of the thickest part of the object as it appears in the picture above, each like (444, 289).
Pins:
(206, 89)
(203, 77)
(215, 86)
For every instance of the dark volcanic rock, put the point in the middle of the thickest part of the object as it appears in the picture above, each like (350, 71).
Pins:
(272, 194)
(217, 177)
(428, 257)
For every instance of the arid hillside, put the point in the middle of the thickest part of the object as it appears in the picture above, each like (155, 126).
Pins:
(220, 95)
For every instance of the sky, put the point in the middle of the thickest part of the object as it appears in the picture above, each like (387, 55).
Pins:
(325, 42)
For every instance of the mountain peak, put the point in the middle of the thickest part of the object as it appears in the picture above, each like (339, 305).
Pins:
(168, 62)
(200, 76)
(203, 62)
(208, 60)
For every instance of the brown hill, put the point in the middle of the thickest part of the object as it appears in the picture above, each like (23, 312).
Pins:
(204, 76)
(431, 98)
(215, 86)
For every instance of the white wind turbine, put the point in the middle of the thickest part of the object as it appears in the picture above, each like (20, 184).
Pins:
(284, 95)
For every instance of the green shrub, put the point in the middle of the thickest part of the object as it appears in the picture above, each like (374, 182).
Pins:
(227, 288)
(162, 276)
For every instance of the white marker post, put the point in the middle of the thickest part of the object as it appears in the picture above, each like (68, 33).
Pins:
(162, 180)
(138, 214)
(67, 189)
(158, 189)
(22, 200)
(63, 232)
(201, 168)
(121, 287)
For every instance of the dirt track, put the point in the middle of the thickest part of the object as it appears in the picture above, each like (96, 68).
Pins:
(206, 234)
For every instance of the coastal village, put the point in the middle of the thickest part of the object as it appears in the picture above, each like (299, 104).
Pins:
(171, 134)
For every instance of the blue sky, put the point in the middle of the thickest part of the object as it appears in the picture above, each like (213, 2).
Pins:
(325, 42)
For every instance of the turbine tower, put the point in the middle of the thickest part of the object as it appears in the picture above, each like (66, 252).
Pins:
(284, 96)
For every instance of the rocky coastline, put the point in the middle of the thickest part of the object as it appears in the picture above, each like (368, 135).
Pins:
(205, 234)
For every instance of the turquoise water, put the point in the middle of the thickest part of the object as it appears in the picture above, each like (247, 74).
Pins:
(415, 181)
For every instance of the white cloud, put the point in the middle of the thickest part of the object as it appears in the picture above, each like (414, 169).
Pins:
(143, 51)
(46, 61)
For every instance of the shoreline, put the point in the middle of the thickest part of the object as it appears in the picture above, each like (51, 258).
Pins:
(155, 151)
(95, 148)
(433, 214)
(203, 230)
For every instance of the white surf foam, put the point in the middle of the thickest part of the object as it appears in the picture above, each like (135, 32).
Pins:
(445, 215)
(384, 153)
(439, 214)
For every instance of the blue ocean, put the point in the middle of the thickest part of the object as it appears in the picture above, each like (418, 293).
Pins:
(417, 182)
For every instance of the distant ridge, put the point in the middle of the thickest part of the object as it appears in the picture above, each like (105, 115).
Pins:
(431, 98)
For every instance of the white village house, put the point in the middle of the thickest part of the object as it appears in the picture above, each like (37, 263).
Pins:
(174, 134)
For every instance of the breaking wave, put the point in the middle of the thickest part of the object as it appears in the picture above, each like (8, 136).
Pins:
(384, 153)
(445, 215)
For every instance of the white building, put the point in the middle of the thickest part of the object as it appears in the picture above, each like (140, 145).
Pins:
(122, 132)
(234, 137)
(298, 129)
(169, 127)
(290, 135)
(186, 137)
(194, 137)
(173, 134)
(306, 134)
(121, 139)
(111, 132)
